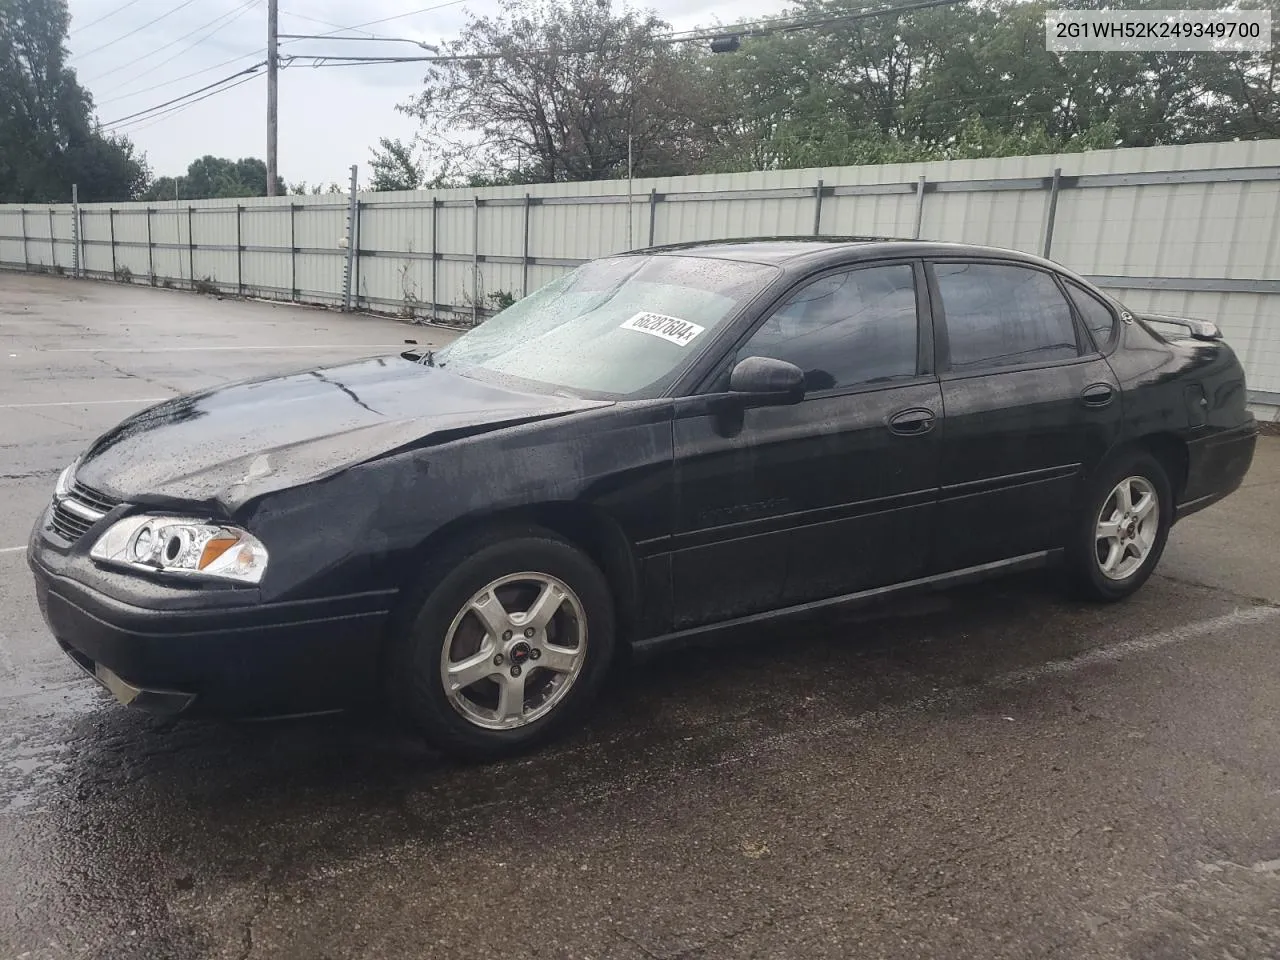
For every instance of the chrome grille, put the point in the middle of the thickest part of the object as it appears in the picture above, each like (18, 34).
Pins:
(68, 525)
(79, 510)
(93, 499)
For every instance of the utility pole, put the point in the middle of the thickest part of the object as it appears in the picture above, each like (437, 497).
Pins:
(273, 63)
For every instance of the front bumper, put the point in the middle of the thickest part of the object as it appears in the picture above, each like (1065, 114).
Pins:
(211, 651)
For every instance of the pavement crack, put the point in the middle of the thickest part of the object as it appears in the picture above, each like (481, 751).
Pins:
(710, 947)
(248, 942)
(1186, 582)
(642, 948)
(44, 415)
(129, 375)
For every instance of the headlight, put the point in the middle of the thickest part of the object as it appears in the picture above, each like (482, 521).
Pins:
(63, 486)
(181, 546)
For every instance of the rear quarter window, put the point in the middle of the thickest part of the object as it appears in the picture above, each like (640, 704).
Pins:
(1097, 316)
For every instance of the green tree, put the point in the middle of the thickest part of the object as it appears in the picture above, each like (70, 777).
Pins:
(556, 88)
(303, 189)
(395, 167)
(975, 80)
(212, 177)
(48, 137)
(550, 91)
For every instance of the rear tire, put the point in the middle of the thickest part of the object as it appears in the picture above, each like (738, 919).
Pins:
(1120, 531)
(510, 641)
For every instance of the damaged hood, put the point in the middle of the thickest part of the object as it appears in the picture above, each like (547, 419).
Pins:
(233, 443)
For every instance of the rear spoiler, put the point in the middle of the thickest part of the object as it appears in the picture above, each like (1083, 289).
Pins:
(1196, 329)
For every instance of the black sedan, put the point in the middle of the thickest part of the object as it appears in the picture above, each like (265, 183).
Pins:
(655, 446)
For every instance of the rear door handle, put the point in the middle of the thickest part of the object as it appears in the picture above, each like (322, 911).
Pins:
(1097, 395)
(911, 422)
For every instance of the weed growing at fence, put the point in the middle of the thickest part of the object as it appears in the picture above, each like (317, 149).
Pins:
(501, 299)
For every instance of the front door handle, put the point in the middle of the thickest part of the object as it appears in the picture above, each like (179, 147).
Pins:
(912, 422)
(1097, 395)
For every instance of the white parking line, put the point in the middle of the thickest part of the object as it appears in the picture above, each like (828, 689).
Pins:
(594, 792)
(286, 346)
(951, 697)
(80, 403)
(12, 549)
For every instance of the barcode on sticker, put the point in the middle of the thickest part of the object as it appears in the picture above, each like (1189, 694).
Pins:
(673, 329)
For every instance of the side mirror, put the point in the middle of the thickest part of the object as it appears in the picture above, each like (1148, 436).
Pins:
(766, 382)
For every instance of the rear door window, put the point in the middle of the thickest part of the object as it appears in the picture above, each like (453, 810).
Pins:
(1003, 315)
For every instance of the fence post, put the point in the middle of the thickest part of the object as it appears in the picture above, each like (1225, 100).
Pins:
(817, 209)
(191, 247)
(524, 257)
(475, 261)
(53, 246)
(355, 274)
(239, 254)
(352, 242)
(151, 252)
(653, 212)
(75, 230)
(111, 219)
(293, 251)
(26, 263)
(1053, 211)
(435, 222)
(919, 206)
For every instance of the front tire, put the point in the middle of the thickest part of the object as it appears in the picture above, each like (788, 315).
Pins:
(1121, 531)
(507, 648)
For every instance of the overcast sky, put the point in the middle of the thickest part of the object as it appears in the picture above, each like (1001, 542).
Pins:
(145, 52)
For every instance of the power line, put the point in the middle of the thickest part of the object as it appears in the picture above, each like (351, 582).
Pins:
(145, 122)
(398, 16)
(749, 30)
(343, 60)
(109, 13)
(235, 14)
(323, 23)
(370, 39)
(185, 76)
(768, 25)
(185, 96)
(808, 23)
(125, 36)
(411, 13)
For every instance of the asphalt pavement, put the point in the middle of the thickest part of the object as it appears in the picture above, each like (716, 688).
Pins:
(996, 771)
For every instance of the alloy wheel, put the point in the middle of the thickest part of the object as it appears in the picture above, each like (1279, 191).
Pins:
(1126, 528)
(514, 650)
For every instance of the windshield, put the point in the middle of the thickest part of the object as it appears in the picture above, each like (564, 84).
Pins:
(618, 327)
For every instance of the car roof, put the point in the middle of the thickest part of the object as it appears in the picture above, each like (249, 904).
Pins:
(814, 251)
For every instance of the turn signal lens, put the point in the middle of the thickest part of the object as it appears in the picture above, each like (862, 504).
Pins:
(216, 548)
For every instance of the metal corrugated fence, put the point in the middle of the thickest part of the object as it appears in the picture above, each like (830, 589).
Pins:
(1192, 230)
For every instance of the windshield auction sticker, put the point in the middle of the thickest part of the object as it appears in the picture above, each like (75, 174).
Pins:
(672, 329)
